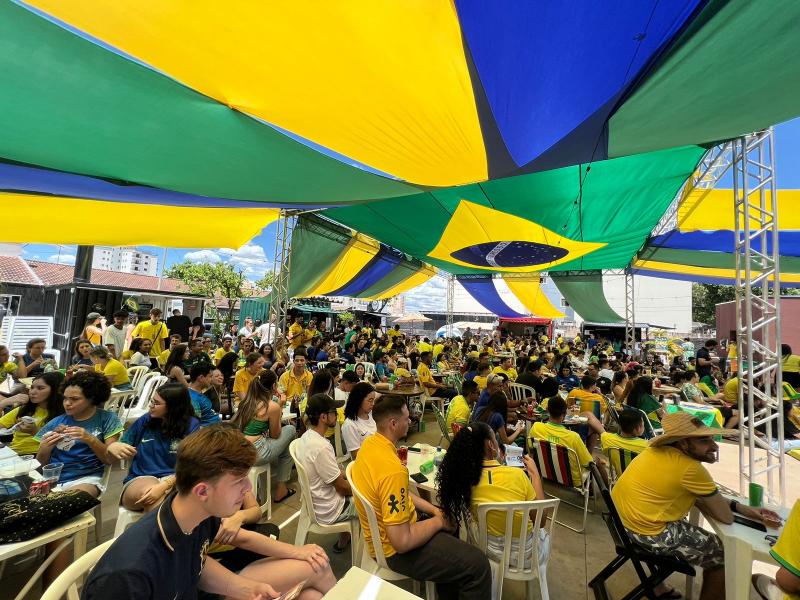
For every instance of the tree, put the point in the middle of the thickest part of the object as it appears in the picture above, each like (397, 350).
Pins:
(216, 282)
(266, 282)
(705, 297)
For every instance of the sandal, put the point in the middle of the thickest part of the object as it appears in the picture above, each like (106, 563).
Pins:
(289, 494)
(337, 549)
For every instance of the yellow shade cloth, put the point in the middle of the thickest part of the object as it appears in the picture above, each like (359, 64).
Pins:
(708, 210)
(345, 75)
(529, 292)
(652, 265)
(35, 219)
(358, 252)
(410, 283)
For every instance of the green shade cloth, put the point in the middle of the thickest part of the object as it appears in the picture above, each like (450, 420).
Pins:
(316, 245)
(114, 118)
(719, 80)
(257, 308)
(585, 296)
(618, 202)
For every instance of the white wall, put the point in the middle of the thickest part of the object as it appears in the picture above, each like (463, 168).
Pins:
(658, 301)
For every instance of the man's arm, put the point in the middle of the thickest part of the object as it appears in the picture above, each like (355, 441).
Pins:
(216, 579)
(788, 581)
(408, 536)
(342, 486)
(717, 507)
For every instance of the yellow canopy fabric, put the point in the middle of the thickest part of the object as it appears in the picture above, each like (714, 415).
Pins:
(38, 219)
(410, 283)
(652, 265)
(708, 210)
(529, 292)
(358, 252)
(347, 75)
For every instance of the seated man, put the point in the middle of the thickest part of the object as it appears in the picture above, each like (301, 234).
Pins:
(330, 491)
(482, 376)
(631, 429)
(201, 376)
(174, 341)
(532, 377)
(786, 585)
(165, 554)
(346, 383)
(401, 372)
(460, 407)
(506, 367)
(494, 383)
(295, 381)
(555, 432)
(227, 346)
(592, 404)
(659, 488)
(438, 390)
(418, 547)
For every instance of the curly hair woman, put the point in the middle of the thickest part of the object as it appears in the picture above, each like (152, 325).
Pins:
(470, 475)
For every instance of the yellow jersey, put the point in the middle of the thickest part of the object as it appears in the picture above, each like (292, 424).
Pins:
(587, 400)
(295, 336)
(242, 381)
(659, 487)
(731, 390)
(116, 373)
(787, 549)
(458, 411)
(501, 484)
(559, 434)
(219, 354)
(24, 443)
(510, 373)
(425, 377)
(481, 381)
(383, 481)
(156, 333)
(613, 440)
(294, 385)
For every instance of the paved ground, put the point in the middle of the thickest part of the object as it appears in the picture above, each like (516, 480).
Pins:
(575, 558)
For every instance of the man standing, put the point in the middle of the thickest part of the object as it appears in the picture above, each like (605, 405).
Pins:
(330, 491)
(660, 487)
(418, 547)
(295, 335)
(264, 332)
(179, 324)
(153, 330)
(295, 381)
(114, 336)
(247, 329)
(438, 390)
(704, 359)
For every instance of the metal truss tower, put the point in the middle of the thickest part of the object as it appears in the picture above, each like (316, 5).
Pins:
(630, 313)
(451, 292)
(279, 302)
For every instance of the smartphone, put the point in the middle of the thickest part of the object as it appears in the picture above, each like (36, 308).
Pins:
(412, 449)
(420, 478)
(749, 523)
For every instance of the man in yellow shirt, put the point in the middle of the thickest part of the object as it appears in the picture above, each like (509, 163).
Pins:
(227, 344)
(484, 370)
(786, 585)
(439, 390)
(593, 407)
(424, 346)
(174, 340)
(460, 407)
(392, 333)
(659, 488)
(253, 363)
(420, 549)
(631, 428)
(295, 334)
(506, 368)
(731, 390)
(438, 347)
(153, 330)
(556, 433)
(296, 380)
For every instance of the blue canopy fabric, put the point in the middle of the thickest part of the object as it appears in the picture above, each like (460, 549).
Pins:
(483, 290)
(379, 267)
(722, 241)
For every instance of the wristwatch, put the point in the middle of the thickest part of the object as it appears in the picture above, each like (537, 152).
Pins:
(734, 504)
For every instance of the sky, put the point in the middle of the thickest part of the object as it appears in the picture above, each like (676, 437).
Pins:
(256, 257)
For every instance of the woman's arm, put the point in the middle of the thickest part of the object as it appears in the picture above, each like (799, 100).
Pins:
(178, 375)
(230, 526)
(273, 414)
(99, 447)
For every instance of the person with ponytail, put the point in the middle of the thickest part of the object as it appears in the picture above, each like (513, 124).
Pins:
(259, 418)
(471, 475)
(44, 403)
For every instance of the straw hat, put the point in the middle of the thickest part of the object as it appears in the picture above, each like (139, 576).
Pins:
(682, 425)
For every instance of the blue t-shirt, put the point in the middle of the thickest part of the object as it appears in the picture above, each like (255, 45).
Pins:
(470, 375)
(570, 382)
(203, 408)
(483, 400)
(382, 369)
(155, 454)
(28, 359)
(322, 356)
(496, 421)
(78, 458)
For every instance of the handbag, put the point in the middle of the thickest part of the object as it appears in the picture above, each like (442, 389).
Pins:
(23, 519)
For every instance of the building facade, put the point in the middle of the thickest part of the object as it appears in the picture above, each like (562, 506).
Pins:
(125, 260)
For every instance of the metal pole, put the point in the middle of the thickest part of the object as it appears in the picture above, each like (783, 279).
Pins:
(630, 313)
(451, 292)
(279, 303)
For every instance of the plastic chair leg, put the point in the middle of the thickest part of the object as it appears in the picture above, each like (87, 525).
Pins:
(302, 530)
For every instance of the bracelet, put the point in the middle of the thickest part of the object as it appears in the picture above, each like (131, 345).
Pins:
(734, 504)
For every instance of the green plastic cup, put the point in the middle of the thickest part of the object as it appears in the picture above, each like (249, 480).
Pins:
(756, 495)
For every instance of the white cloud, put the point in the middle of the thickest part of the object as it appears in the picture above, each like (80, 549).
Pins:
(202, 256)
(250, 259)
(430, 296)
(62, 259)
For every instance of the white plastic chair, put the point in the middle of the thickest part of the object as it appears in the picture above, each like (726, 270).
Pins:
(67, 582)
(146, 376)
(341, 455)
(520, 393)
(256, 477)
(98, 510)
(369, 371)
(378, 566)
(125, 519)
(118, 401)
(135, 374)
(140, 408)
(322, 364)
(308, 523)
(520, 566)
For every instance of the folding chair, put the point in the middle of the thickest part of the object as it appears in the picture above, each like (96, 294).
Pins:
(555, 463)
(66, 584)
(521, 393)
(789, 393)
(440, 418)
(515, 563)
(649, 431)
(619, 460)
(378, 566)
(659, 566)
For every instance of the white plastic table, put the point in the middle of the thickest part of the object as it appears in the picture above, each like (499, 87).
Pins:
(413, 463)
(742, 546)
(358, 583)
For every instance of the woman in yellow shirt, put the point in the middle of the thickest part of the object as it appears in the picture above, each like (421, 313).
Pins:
(44, 403)
(791, 366)
(109, 366)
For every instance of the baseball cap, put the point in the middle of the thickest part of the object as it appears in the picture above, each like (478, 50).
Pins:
(93, 315)
(321, 403)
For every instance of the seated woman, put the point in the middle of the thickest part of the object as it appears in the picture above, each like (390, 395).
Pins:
(618, 385)
(495, 414)
(32, 363)
(358, 422)
(567, 378)
(151, 444)
(471, 475)
(691, 390)
(109, 366)
(140, 353)
(361, 371)
(641, 397)
(44, 403)
(259, 418)
(174, 368)
(268, 353)
(81, 356)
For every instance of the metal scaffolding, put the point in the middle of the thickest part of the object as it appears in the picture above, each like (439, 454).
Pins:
(451, 292)
(758, 314)
(279, 300)
(630, 314)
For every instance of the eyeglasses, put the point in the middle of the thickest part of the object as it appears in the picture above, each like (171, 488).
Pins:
(155, 403)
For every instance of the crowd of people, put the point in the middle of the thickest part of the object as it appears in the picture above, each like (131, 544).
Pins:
(224, 410)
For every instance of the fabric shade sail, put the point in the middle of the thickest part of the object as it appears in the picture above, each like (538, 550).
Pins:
(327, 259)
(584, 293)
(528, 290)
(483, 290)
(194, 98)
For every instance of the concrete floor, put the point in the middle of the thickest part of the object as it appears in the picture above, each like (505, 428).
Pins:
(574, 560)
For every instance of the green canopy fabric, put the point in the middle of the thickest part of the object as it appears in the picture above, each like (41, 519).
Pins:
(715, 79)
(316, 245)
(585, 295)
(586, 217)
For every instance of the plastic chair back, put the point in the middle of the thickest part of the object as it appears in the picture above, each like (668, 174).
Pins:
(521, 393)
(67, 582)
(372, 519)
(135, 374)
(440, 418)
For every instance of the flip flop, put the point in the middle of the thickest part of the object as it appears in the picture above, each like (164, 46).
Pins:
(337, 549)
(288, 495)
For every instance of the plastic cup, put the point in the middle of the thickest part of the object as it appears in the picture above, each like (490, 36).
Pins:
(52, 472)
(402, 454)
(22, 466)
(756, 497)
